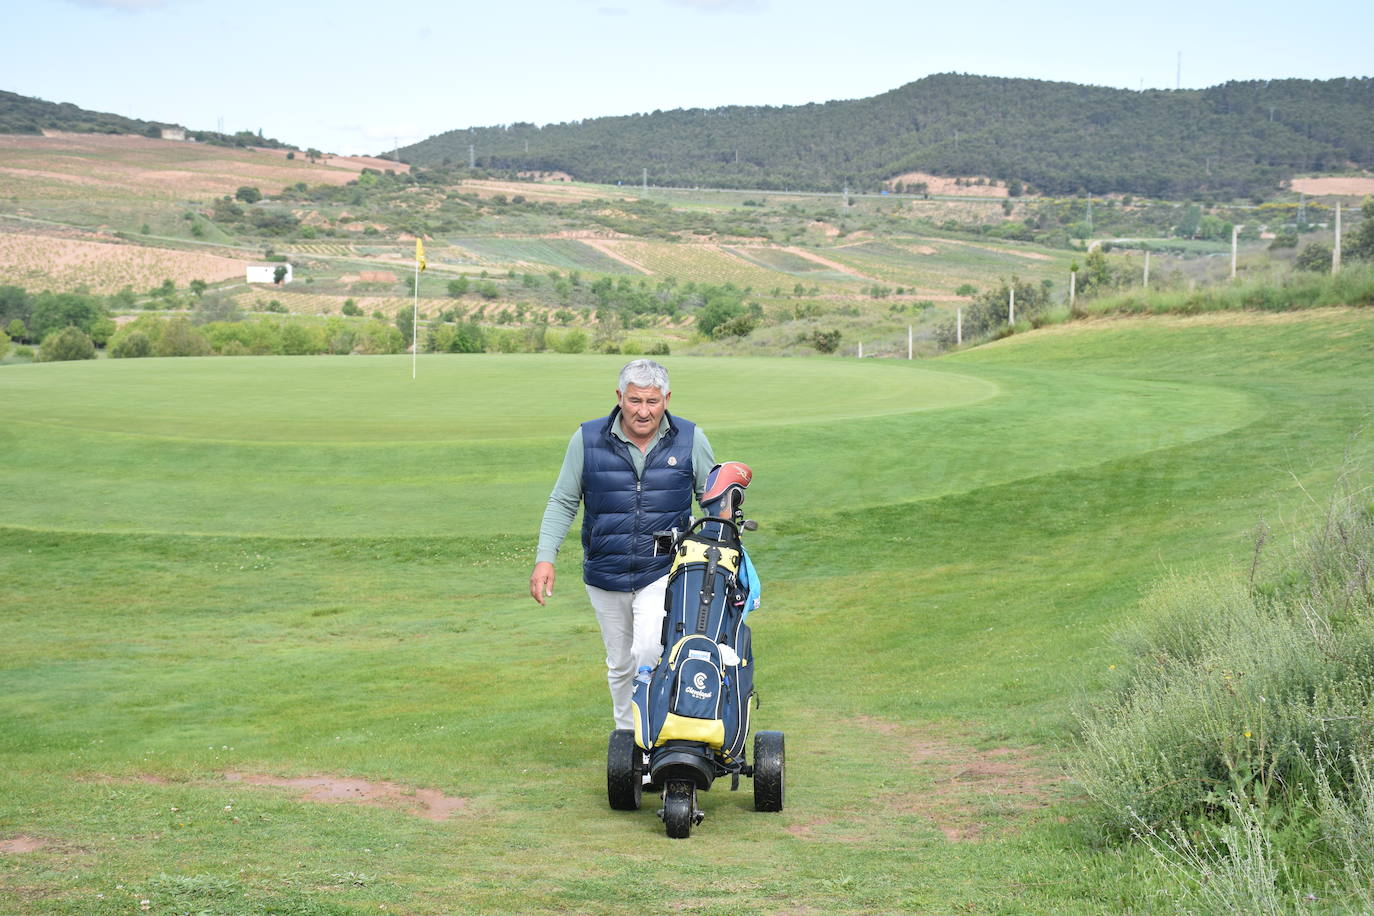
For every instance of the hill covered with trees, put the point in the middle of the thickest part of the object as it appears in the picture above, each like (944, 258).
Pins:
(1236, 139)
(22, 114)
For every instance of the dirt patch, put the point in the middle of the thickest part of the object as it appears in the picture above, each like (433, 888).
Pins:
(430, 804)
(1343, 187)
(21, 844)
(968, 787)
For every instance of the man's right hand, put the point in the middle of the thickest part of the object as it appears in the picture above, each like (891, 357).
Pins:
(541, 582)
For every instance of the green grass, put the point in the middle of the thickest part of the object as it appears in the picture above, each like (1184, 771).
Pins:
(305, 566)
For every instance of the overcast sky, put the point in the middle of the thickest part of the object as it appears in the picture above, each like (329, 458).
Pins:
(358, 77)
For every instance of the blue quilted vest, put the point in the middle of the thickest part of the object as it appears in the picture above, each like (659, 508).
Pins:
(621, 512)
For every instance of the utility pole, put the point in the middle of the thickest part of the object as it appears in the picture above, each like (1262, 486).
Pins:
(1073, 281)
(1235, 234)
(959, 326)
(1336, 248)
(846, 196)
(472, 156)
(645, 181)
(1146, 282)
(1011, 307)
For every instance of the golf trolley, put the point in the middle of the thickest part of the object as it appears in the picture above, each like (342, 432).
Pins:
(692, 709)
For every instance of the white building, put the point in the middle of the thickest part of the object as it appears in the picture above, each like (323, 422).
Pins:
(264, 273)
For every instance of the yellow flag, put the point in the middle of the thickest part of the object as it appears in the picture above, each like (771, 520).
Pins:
(420, 254)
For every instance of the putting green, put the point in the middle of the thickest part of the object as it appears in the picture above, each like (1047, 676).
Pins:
(451, 400)
(319, 447)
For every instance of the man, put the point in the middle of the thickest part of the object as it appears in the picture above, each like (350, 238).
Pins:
(637, 471)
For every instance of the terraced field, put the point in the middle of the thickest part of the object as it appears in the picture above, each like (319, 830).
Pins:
(38, 262)
(943, 264)
(328, 249)
(788, 262)
(712, 264)
(562, 254)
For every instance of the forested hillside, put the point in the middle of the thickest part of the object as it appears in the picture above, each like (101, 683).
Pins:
(1237, 139)
(21, 114)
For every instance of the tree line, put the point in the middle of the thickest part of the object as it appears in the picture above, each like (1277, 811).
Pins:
(1240, 139)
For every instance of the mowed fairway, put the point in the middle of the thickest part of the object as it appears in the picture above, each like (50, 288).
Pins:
(221, 570)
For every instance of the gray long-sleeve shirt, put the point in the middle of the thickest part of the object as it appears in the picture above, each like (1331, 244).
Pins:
(567, 490)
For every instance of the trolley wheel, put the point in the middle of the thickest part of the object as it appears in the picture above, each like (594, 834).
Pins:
(679, 809)
(768, 771)
(623, 765)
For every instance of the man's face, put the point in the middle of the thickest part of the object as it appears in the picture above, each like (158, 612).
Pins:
(641, 410)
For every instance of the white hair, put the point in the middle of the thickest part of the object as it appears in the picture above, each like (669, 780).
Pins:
(644, 373)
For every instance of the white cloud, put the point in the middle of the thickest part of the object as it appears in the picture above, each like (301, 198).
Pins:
(612, 11)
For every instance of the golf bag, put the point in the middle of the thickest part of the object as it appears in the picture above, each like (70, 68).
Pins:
(700, 693)
(691, 711)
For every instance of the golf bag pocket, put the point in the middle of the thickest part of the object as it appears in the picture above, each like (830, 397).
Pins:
(695, 694)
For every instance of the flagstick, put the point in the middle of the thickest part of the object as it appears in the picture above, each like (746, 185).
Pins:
(415, 321)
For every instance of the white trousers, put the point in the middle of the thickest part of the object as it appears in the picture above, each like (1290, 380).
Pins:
(632, 629)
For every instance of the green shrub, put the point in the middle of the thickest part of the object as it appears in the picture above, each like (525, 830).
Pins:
(378, 337)
(133, 345)
(825, 341)
(67, 344)
(180, 338)
(1314, 256)
(23, 352)
(299, 340)
(738, 326)
(571, 342)
(1240, 689)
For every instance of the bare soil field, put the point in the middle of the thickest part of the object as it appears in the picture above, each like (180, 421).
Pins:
(47, 166)
(353, 164)
(39, 262)
(945, 184)
(1331, 187)
(559, 193)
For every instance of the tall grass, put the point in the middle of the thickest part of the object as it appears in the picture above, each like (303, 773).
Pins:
(1268, 291)
(1241, 724)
